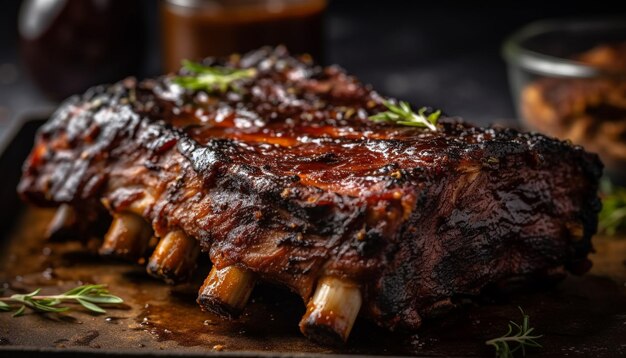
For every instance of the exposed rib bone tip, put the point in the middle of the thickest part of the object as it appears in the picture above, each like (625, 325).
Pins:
(62, 222)
(127, 238)
(174, 258)
(332, 310)
(139, 206)
(226, 292)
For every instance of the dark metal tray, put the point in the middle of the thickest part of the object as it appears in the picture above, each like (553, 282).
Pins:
(581, 316)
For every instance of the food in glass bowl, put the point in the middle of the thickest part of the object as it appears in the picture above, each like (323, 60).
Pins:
(569, 81)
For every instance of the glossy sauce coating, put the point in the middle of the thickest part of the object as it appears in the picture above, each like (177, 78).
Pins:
(287, 177)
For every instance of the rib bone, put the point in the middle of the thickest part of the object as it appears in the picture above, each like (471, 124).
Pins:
(127, 238)
(62, 222)
(226, 292)
(174, 258)
(140, 206)
(332, 311)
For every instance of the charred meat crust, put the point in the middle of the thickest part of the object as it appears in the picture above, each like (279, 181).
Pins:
(287, 177)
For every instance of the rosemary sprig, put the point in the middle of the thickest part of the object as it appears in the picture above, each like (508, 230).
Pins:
(89, 296)
(522, 338)
(211, 78)
(612, 218)
(403, 114)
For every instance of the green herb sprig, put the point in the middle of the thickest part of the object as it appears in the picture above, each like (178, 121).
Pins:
(89, 296)
(211, 78)
(522, 338)
(404, 115)
(612, 218)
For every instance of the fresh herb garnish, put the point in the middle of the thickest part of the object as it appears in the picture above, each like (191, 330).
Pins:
(89, 296)
(211, 78)
(522, 338)
(404, 115)
(612, 218)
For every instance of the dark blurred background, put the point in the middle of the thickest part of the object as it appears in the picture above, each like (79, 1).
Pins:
(443, 54)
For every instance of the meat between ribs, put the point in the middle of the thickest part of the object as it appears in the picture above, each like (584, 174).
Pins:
(286, 178)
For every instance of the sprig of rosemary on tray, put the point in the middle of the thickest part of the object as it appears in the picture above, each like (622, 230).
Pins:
(612, 218)
(211, 78)
(89, 296)
(520, 336)
(404, 115)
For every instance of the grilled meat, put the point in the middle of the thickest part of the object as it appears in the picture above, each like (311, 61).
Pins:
(285, 179)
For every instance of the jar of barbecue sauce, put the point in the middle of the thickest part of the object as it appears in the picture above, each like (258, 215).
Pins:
(194, 29)
(70, 45)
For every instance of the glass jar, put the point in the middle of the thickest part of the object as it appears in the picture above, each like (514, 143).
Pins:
(194, 29)
(70, 45)
(568, 79)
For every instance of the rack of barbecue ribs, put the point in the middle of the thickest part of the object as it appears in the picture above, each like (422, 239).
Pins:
(277, 170)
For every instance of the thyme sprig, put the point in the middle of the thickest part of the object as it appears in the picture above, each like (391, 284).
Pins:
(404, 115)
(211, 78)
(89, 296)
(612, 218)
(521, 339)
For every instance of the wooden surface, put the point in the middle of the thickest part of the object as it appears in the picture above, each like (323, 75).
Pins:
(582, 316)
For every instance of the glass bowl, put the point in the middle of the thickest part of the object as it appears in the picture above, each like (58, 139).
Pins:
(568, 80)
